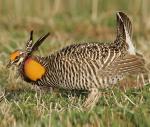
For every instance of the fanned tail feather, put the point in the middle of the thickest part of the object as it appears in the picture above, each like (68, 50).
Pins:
(124, 32)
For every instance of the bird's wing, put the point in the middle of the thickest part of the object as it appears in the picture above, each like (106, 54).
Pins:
(128, 64)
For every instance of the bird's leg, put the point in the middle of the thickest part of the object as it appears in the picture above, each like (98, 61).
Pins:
(142, 80)
(92, 98)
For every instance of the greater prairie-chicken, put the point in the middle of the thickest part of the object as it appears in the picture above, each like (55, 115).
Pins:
(87, 66)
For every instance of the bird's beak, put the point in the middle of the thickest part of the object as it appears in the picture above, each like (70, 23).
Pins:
(9, 64)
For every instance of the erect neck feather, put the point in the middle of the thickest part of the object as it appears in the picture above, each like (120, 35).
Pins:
(33, 69)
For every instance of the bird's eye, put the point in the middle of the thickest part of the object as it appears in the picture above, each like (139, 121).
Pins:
(17, 59)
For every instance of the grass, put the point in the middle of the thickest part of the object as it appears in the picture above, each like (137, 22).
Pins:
(23, 105)
(26, 107)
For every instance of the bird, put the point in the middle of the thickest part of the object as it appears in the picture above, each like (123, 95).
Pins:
(89, 66)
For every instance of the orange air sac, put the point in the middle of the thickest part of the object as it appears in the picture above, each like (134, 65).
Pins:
(33, 70)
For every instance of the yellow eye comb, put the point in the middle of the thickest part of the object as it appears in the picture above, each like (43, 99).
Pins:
(14, 55)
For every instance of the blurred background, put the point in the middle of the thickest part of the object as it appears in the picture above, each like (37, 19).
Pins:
(70, 21)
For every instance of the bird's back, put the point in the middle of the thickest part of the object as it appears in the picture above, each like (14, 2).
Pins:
(89, 65)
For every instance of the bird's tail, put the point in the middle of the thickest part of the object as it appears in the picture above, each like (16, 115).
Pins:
(124, 32)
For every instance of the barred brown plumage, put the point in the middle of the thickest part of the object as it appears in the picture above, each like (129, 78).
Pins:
(88, 66)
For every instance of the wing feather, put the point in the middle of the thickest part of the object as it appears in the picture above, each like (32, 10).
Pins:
(129, 64)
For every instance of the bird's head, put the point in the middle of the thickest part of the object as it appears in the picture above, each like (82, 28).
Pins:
(18, 56)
